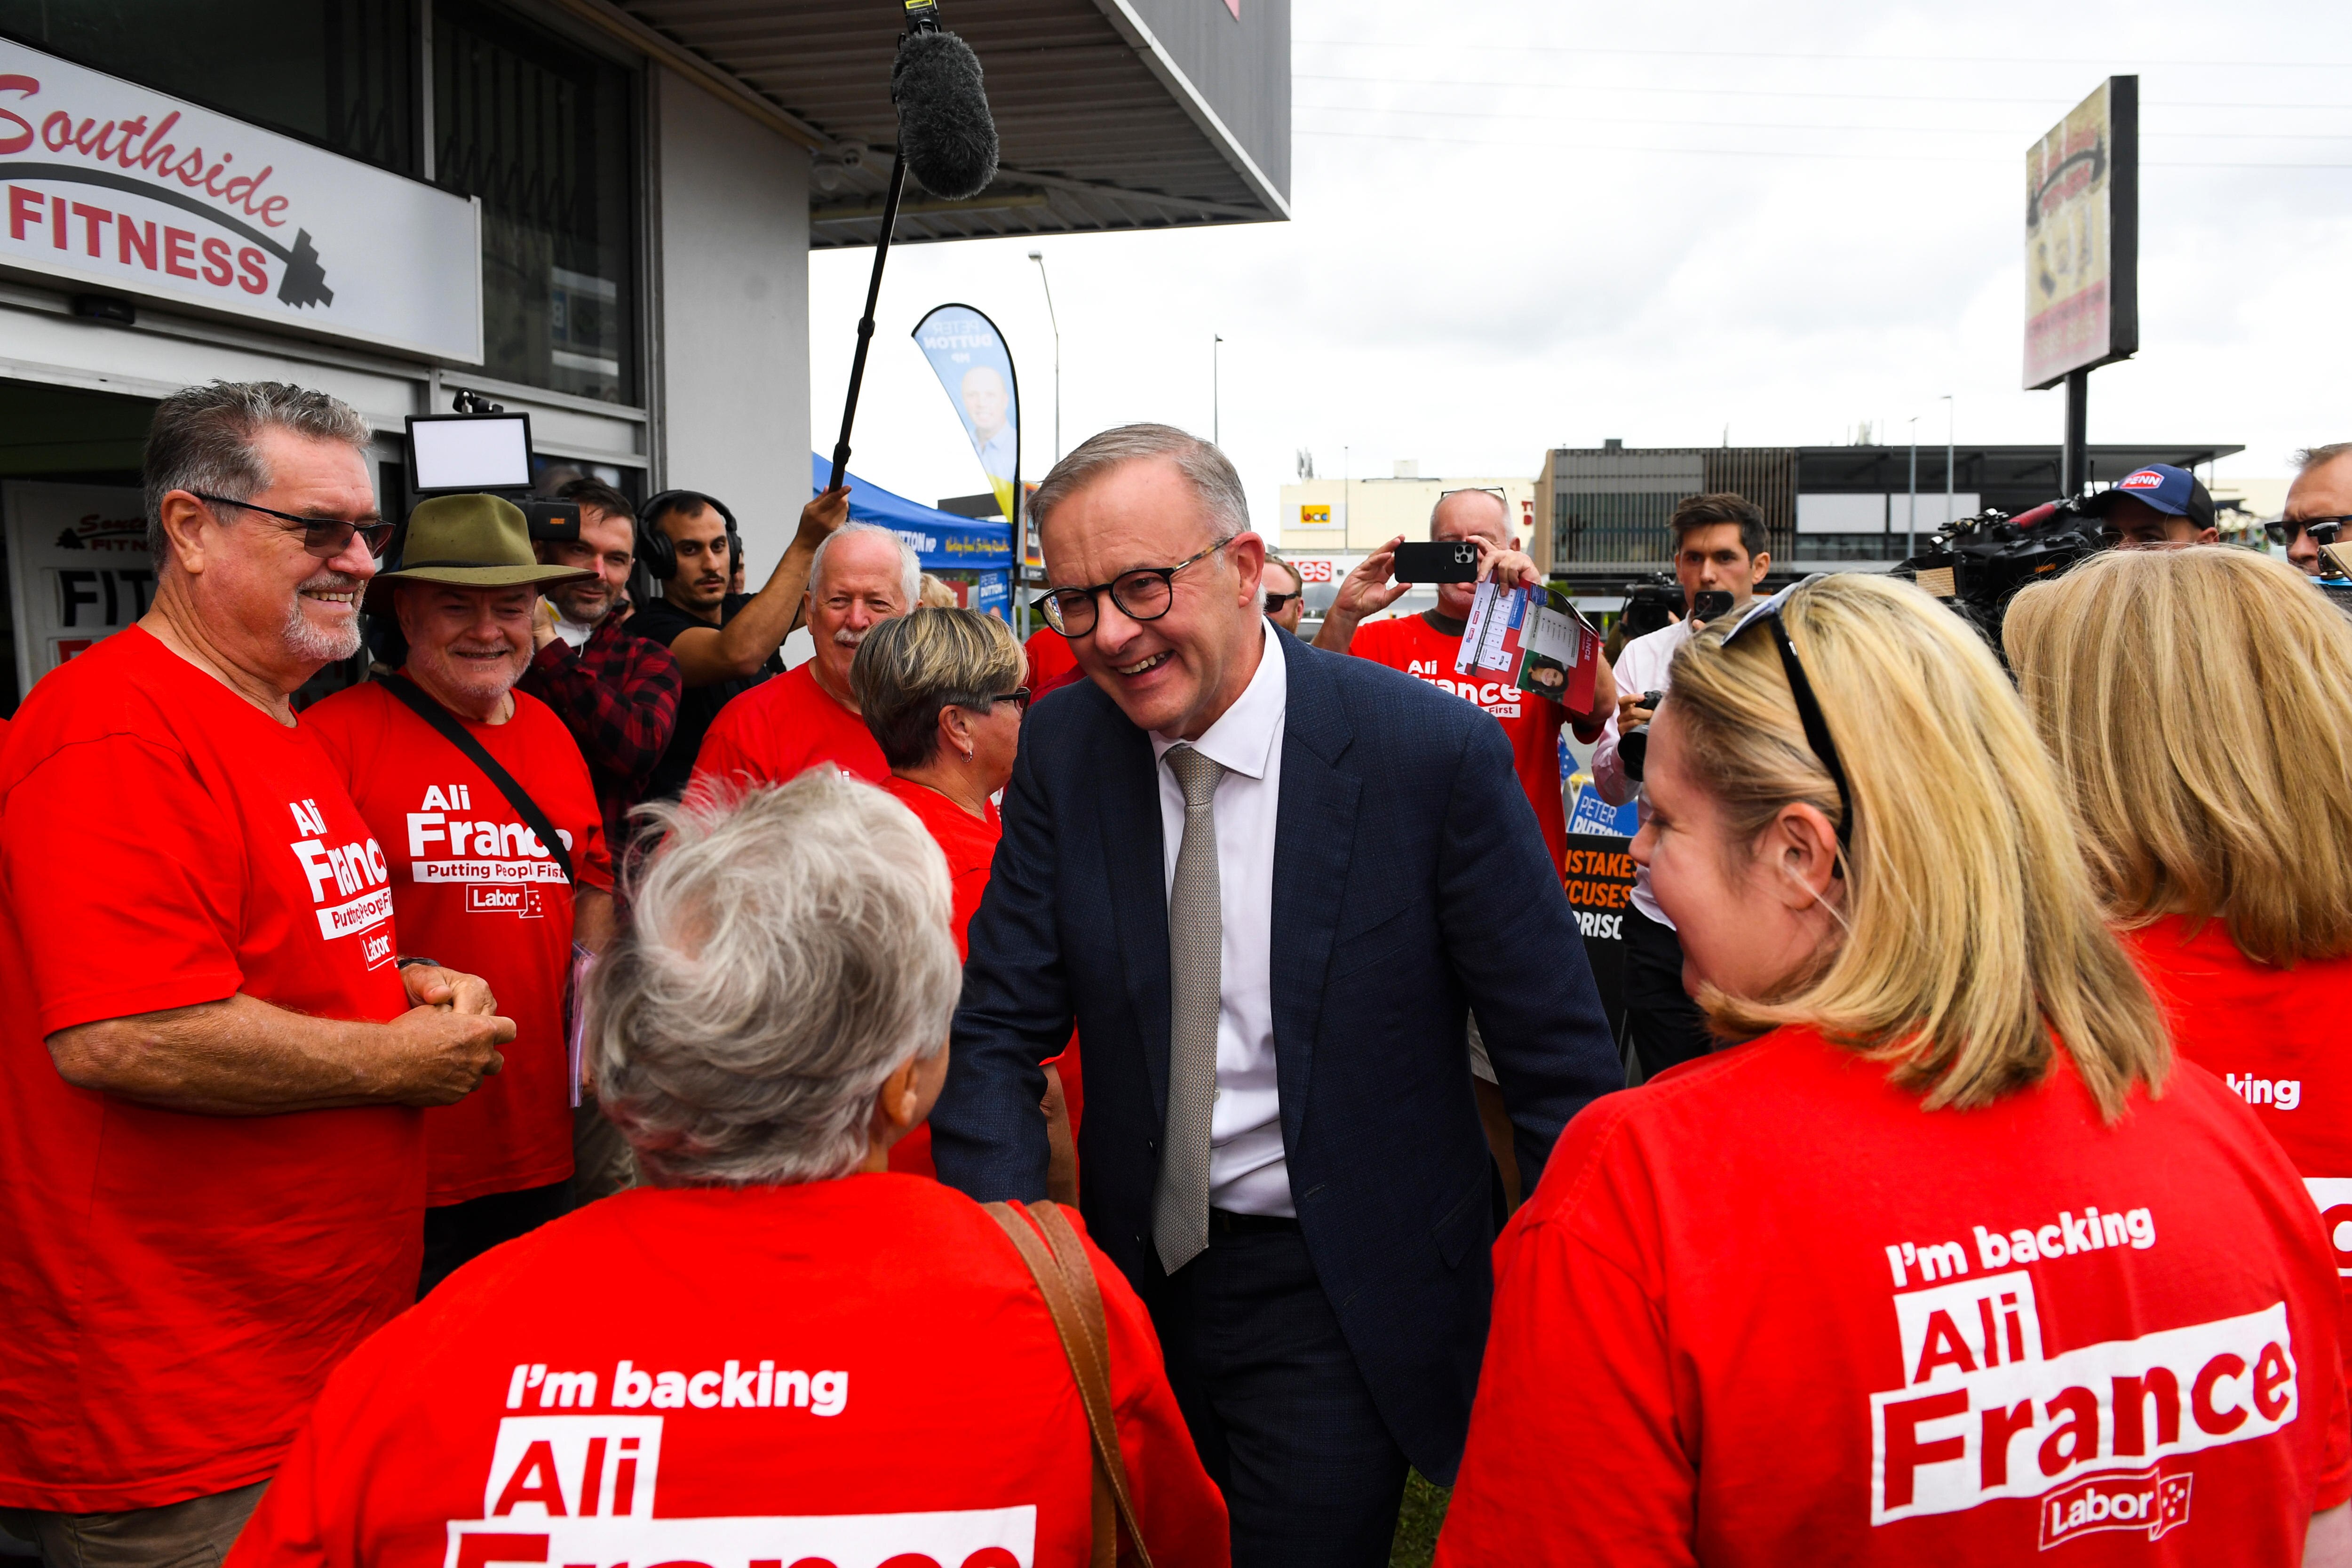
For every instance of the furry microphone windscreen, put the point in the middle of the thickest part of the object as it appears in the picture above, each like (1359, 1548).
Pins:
(945, 132)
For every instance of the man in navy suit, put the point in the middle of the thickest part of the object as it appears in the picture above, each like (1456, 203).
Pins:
(1267, 884)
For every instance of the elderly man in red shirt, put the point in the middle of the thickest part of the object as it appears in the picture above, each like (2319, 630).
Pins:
(213, 1058)
(804, 1357)
(859, 577)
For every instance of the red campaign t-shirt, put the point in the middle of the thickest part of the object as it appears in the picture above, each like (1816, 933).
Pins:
(1052, 664)
(476, 890)
(1766, 1310)
(1532, 722)
(852, 1371)
(2277, 1038)
(177, 1286)
(970, 844)
(782, 728)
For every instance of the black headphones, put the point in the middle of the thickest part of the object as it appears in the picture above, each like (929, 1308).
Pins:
(657, 553)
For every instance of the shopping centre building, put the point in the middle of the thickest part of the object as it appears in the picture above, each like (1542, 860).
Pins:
(596, 213)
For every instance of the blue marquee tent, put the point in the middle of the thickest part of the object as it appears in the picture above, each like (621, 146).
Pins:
(941, 540)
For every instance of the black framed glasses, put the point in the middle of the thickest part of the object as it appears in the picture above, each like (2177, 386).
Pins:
(1018, 697)
(2323, 529)
(324, 537)
(1145, 594)
(1769, 611)
(1495, 490)
(1277, 603)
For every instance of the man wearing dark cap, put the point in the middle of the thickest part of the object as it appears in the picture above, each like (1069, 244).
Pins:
(2155, 506)
(472, 871)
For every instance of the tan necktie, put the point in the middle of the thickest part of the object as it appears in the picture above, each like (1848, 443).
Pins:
(1196, 936)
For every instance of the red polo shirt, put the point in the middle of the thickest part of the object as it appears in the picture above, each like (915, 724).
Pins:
(782, 728)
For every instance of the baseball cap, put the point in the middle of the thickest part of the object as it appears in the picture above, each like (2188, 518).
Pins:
(2174, 491)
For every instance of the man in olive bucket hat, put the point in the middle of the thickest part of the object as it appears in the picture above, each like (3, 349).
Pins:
(473, 872)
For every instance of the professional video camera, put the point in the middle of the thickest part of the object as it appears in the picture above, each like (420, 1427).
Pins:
(1651, 605)
(1977, 563)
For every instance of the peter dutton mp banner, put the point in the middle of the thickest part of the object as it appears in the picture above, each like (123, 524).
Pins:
(2082, 236)
(975, 369)
(120, 189)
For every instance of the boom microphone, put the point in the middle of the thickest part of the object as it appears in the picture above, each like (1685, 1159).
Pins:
(946, 135)
(945, 132)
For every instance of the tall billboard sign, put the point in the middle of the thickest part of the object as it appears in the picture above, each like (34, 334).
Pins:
(113, 188)
(2082, 236)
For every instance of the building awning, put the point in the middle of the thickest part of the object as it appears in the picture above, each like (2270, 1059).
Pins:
(942, 539)
(1112, 114)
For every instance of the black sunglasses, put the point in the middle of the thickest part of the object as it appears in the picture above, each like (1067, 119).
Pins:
(324, 537)
(2323, 529)
(1809, 709)
(1277, 603)
(1145, 594)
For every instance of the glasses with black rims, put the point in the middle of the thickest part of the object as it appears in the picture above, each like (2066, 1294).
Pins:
(1495, 490)
(1277, 603)
(1145, 594)
(2323, 529)
(1769, 613)
(324, 537)
(1018, 697)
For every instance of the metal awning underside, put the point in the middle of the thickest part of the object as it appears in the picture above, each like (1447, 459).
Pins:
(1099, 129)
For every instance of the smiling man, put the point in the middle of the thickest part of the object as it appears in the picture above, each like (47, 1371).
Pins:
(1267, 884)
(473, 880)
(214, 1058)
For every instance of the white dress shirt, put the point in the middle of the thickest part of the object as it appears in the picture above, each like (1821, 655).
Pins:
(1642, 667)
(1246, 1170)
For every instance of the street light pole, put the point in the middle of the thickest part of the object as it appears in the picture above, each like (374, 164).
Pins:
(1951, 424)
(1216, 397)
(1911, 528)
(1039, 257)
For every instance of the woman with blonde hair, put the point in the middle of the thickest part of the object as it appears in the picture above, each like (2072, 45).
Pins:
(1949, 1262)
(2197, 704)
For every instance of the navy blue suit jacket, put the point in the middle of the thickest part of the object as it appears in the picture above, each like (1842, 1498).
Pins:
(1411, 886)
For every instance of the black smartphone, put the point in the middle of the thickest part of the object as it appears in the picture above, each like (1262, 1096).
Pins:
(1710, 603)
(1447, 561)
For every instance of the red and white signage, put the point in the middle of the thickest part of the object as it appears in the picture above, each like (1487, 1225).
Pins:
(120, 189)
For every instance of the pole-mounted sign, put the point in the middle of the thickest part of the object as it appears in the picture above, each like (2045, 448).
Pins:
(2082, 251)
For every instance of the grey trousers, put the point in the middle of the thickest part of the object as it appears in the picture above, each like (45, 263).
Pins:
(197, 1533)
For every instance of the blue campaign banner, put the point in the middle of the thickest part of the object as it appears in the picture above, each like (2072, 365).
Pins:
(975, 370)
(995, 596)
(1595, 816)
(938, 538)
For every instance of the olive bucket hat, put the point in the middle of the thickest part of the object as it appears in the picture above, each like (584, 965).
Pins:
(467, 541)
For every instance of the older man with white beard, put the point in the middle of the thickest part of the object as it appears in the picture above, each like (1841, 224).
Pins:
(860, 577)
(214, 1057)
(496, 841)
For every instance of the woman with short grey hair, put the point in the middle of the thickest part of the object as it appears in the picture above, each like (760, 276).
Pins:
(776, 1346)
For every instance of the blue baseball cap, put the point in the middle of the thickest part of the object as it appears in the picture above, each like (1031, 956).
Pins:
(2176, 492)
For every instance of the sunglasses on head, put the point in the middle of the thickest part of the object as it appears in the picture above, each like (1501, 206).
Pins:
(1768, 612)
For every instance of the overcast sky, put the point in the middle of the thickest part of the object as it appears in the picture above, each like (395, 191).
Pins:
(1658, 223)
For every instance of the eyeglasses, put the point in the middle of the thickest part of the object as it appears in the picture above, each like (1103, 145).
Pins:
(1145, 594)
(1277, 603)
(1018, 697)
(1809, 709)
(2323, 529)
(324, 537)
(1495, 490)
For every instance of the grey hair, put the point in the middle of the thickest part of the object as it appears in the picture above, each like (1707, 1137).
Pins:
(1207, 471)
(788, 950)
(2311, 457)
(208, 438)
(910, 568)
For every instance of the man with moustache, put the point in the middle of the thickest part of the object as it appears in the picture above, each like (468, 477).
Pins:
(616, 691)
(859, 578)
(725, 642)
(476, 883)
(1268, 884)
(215, 1057)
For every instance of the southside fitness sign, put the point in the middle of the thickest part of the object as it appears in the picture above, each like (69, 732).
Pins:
(120, 189)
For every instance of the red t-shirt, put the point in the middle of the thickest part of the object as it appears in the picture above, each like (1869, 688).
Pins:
(851, 1371)
(477, 890)
(1767, 1310)
(177, 1286)
(970, 844)
(1532, 722)
(2277, 1037)
(782, 728)
(1052, 665)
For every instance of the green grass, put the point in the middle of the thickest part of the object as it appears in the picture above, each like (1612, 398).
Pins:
(1418, 1522)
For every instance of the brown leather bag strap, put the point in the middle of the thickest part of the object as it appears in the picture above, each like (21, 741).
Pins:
(1067, 1280)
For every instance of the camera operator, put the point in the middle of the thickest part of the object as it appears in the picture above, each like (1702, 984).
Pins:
(616, 692)
(2155, 507)
(2318, 504)
(1719, 542)
(725, 643)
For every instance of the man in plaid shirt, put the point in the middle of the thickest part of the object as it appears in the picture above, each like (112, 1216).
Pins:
(616, 693)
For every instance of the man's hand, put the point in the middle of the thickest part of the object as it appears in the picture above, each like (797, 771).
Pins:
(441, 1054)
(429, 985)
(542, 623)
(1366, 590)
(823, 517)
(1630, 712)
(1511, 568)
